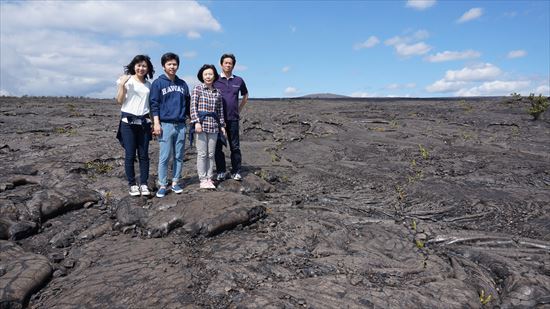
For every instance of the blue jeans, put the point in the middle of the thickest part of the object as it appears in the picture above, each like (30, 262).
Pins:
(172, 144)
(136, 138)
(232, 130)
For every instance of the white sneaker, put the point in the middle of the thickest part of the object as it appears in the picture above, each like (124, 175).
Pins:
(144, 190)
(236, 177)
(134, 190)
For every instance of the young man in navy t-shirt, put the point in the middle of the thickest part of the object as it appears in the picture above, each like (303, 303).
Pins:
(230, 86)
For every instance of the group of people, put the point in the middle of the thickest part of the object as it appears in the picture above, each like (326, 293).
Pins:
(161, 109)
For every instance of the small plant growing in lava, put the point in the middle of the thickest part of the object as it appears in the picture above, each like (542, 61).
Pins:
(424, 152)
(484, 299)
(538, 105)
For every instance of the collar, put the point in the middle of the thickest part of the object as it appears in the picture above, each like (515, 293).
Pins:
(223, 75)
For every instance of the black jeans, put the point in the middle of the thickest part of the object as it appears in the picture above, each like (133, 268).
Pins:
(136, 138)
(232, 129)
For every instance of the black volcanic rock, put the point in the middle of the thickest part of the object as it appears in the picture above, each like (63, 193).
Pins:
(344, 203)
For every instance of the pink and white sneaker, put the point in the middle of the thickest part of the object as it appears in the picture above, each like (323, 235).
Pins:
(207, 184)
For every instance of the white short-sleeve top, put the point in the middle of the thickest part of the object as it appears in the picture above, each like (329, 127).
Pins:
(136, 101)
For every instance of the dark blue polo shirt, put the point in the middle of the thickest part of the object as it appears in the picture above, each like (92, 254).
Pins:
(230, 89)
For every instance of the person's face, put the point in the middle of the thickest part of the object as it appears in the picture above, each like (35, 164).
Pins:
(171, 67)
(141, 68)
(227, 65)
(208, 76)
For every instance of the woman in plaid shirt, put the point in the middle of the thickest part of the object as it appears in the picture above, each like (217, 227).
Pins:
(207, 117)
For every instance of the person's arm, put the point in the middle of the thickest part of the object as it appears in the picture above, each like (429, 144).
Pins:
(194, 110)
(244, 92)
(154, 103)
(121, 92)
(219, 111)
(243, 102)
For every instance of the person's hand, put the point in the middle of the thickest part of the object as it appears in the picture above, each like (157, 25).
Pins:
(157, 130)
(198, 127)
(124, 79)
(224, 133)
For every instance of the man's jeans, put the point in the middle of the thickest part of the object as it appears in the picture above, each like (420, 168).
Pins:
(172, 144)
(232, 130)
(136, 137)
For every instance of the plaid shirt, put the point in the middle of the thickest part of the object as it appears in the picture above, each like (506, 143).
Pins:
(205, 100)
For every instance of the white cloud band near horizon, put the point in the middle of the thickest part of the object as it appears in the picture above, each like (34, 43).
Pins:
(291, 91)
(483, 80)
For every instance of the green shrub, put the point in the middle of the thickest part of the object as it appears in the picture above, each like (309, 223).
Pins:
(538, 105)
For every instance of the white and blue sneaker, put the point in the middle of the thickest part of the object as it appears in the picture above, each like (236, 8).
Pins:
(177, 189)
(161, 192)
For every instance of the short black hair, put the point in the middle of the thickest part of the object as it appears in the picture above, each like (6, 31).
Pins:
(206, 67)
(131, 67)
(228, 56)
(169, 56)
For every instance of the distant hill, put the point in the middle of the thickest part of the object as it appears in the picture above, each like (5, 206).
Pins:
(323, 96)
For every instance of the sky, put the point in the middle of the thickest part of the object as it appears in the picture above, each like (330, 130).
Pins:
(430, 48)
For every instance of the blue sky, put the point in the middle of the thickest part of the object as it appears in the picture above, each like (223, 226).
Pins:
(283, 48)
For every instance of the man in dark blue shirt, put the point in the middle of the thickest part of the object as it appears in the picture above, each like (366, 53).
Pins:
(230, 86)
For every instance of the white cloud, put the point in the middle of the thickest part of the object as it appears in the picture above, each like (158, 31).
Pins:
(421, 35)
(496, 87)
(285, 69)
(443, 85)
(401, 86)
(193, 35)
(517, 53)
(481, 80)
(406, 46)
(362, 94)
(240, 67)
(481, 72)
(189, 54)
(370, 42)
(4, 93)
(453, 55)
(420, 4)
(43, 54)
(413, 49)
(543, 89)
(43, 63)
(127, 18)
(292, 28)
(471, 14)
(291, 91)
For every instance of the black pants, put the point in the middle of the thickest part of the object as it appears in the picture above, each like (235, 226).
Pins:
(136, 138)
(232, 129)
